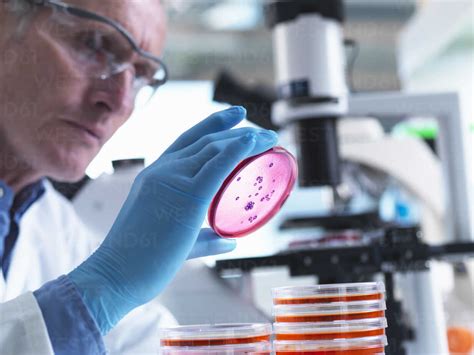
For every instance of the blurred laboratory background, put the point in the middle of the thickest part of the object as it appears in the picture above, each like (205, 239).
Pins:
(406, 156)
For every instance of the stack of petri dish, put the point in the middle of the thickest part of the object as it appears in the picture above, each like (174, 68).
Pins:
(218, 339)
(337, 319)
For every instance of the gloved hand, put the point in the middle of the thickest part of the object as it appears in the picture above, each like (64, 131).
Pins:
(161, 219)
(210, 243)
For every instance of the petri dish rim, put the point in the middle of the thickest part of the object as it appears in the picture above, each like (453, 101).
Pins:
(334, 308)
(261, 347)
(336, 344)
(216, 331)
(330, 327)
(347, 289)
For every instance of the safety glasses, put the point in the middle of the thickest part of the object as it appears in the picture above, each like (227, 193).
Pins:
(103, 48)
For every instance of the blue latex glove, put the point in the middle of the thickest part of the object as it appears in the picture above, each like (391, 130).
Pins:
(210, 243)
(159, 223)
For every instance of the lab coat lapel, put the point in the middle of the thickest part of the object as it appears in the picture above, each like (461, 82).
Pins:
(25, 268)
(2, 289)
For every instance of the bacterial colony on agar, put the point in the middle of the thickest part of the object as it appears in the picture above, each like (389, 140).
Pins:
(251, 204)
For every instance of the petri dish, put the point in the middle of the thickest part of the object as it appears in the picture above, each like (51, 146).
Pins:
(330, 330)
(327, 312)
(215, 335)
(361, 346)
(349, 292)
(253, 193)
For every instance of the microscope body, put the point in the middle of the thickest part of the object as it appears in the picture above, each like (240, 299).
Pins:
(310, 80)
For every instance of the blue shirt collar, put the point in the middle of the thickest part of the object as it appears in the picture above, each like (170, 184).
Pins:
(18, 204)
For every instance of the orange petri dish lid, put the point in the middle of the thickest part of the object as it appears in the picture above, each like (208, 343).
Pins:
(215, 335)
(377, 344)
(329, 293)
(328, 309)
(253, 193)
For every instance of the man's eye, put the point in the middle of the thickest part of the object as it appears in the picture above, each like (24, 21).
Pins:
(94, 41)
(144, 72)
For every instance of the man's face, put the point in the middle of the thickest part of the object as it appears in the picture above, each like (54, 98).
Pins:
(54, 118)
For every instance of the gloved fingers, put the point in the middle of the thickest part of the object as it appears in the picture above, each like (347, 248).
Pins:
(219, 136)
(209, 243)
(196, 163)
(192, 165)
(264, 141)
(217, 122)
(215, 171)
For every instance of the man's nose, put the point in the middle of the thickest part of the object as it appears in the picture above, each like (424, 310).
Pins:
(115, 93)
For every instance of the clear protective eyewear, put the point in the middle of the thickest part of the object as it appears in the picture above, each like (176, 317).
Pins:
(103, 48)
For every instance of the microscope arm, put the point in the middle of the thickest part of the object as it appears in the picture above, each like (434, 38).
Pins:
(412, 164)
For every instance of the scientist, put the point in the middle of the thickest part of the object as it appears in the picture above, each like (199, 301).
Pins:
(69, 74)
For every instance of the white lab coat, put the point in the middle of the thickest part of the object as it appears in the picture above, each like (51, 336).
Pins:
(52, 242)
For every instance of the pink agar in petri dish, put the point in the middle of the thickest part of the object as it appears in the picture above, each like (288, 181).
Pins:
(253, 193)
